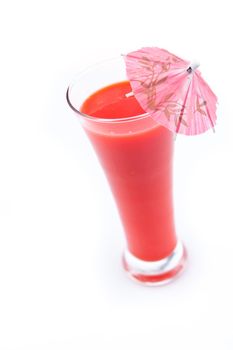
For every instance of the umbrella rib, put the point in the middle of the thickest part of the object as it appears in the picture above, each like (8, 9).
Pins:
(207, 110)
(211, 121)
(182, 109)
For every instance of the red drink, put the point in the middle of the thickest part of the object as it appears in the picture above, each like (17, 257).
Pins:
(138, 166)
(136, 154)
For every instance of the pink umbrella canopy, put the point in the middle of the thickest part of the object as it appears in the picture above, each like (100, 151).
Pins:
(171, 90)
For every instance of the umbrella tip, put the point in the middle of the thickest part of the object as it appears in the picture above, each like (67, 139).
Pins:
(193, 66)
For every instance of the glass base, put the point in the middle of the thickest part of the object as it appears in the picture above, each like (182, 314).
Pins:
(156, 273)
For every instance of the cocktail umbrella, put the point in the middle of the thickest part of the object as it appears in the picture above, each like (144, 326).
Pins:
(171, 90)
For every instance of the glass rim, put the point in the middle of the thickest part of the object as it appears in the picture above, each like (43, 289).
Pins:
(98, 119)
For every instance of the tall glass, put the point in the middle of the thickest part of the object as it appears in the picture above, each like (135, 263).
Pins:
(136, 154)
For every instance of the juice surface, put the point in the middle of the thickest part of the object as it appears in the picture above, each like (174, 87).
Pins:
(138, 165)
(110, 102)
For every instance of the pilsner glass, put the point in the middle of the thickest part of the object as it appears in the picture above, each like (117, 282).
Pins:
(136, 154)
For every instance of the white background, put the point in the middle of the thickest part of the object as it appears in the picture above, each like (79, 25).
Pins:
(61, 281)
